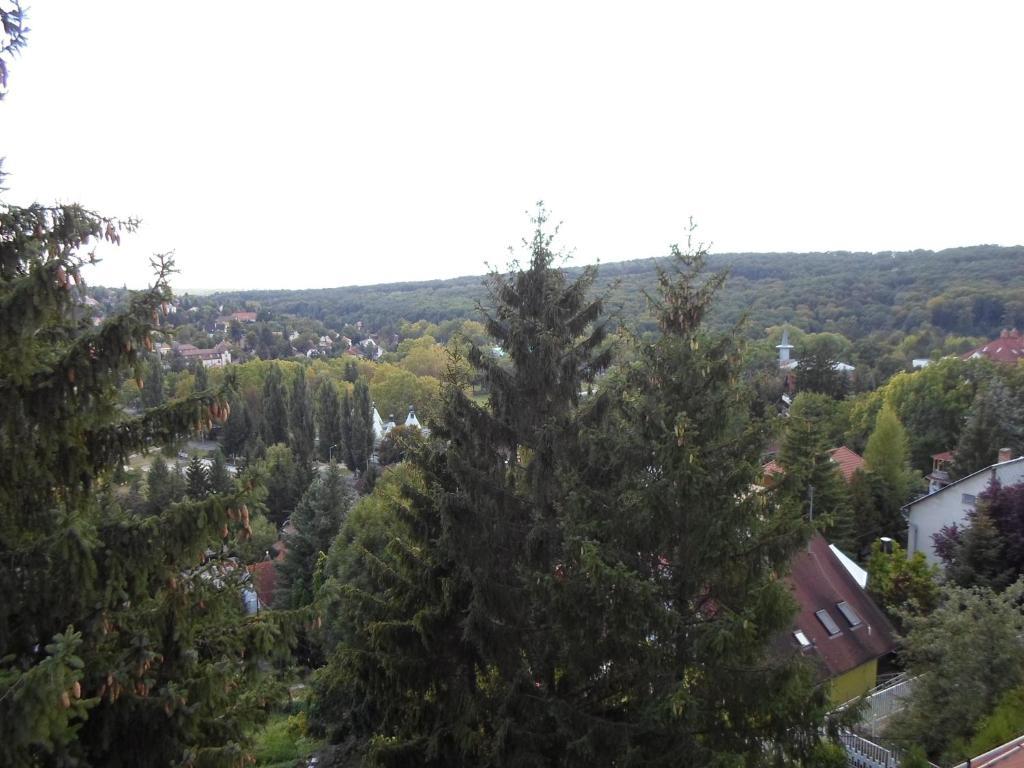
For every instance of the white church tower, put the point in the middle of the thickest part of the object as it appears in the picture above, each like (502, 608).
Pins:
(784, 349)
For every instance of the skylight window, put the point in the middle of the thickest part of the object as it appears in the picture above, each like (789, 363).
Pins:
(802, 639)
(849, 614)
(828, 622)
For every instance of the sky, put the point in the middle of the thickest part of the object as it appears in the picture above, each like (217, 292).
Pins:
(314, 144)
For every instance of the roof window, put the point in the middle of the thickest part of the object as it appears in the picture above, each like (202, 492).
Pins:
(828, 622)
(849, 614)
(802, 639)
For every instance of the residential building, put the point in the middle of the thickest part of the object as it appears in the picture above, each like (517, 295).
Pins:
(953, 503)
(838, 625)
(217, 357)
(847, 460)
(1008, 348)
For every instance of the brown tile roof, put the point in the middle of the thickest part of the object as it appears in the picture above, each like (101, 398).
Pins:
(1008, 348)
(848, 461)
(820, 583)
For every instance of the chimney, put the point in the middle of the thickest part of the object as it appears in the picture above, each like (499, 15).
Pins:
(1005, 333)
(1005, 454)
(886, 545)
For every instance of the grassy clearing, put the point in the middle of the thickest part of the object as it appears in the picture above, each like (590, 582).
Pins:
(283, 743)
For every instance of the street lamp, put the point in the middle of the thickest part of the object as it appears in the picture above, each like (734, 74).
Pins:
(330, 453)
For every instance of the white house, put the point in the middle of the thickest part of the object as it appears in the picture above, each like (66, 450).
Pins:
(929, 514)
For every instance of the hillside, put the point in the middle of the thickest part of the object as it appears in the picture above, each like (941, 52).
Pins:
(970, 291)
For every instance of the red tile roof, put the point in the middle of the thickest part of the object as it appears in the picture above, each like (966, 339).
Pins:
(1008, 348)
(1009, 755)
(819, 583)
(264, 579)
(848, 461)
(944, 456)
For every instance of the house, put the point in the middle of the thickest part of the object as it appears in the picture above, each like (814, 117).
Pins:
(847, 460)
(838, 625)
(952, 503)
(242, 317)
(217, 357)
(938, 478)
(1008, 348)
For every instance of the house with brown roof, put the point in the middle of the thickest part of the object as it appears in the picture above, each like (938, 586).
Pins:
(1007, 349)
(838, 625)
(217, 357)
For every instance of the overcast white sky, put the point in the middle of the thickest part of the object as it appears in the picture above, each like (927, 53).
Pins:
(315, 144)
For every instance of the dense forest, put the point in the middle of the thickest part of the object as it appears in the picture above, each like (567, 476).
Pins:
(971, 291)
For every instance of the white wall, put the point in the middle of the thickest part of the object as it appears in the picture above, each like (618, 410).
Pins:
(951, 504)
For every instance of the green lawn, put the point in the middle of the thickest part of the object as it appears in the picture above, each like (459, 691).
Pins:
(281, 743)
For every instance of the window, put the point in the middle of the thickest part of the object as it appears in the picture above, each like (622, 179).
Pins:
(849, 614)
(802, 639)
(828, 622)
(968, 498)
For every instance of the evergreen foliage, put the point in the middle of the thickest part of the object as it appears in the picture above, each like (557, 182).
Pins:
(358, 428)
(275, 408)
(121, 642)
(220, 480)
(346, 431)
(238, 429)
(153, 383)
(811, 477)
(285, 482)
(317, 520)
(197, 479)
(328, 419)
(300, 420)
(574, 583)
(116, 648)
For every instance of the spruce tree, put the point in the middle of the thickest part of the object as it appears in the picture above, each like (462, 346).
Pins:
(328, 420)
(275, 408)
(238, 429)
(578, 583)
(89, 670)
(197, 479)
(811, 477)
(317, 519)
(300, 420)
(116, 646)
(220, 480)
(285, 482)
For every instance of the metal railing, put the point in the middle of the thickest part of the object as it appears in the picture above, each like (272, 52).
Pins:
(862, 753)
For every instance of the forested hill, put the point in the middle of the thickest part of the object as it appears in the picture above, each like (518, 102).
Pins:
(971, 291)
